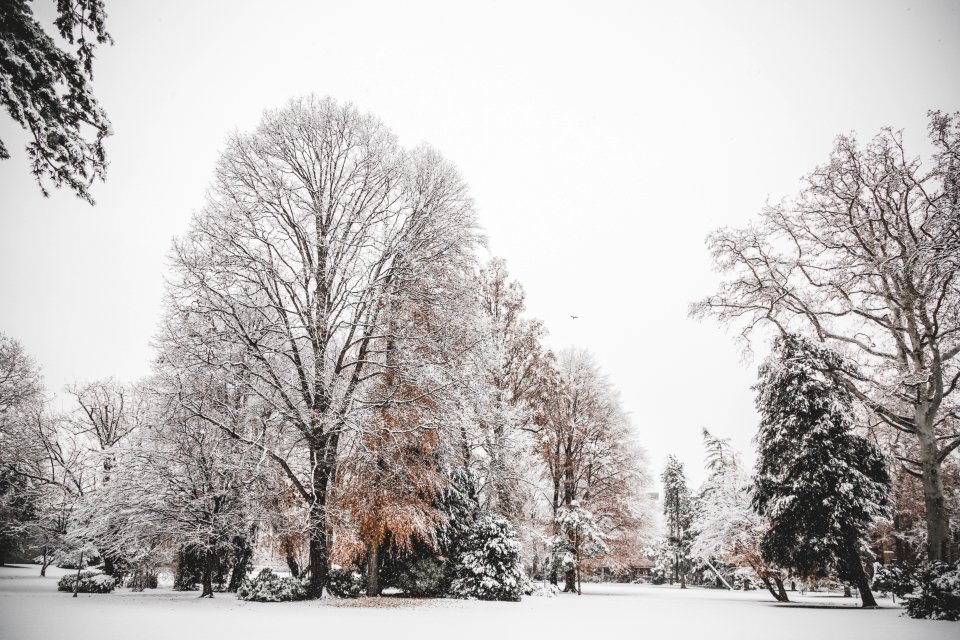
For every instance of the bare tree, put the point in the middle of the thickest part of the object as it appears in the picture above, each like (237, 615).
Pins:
(21, 385)
(865, 259)
(588, 454)
(513, 368)
(316, 224)
(107, 412)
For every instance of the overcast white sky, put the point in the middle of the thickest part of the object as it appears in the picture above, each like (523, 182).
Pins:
(602, 140)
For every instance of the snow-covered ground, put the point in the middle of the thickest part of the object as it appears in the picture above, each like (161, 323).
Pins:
(31, 608)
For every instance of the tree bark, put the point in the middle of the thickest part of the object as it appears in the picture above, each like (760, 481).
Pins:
(373, 570)
(240, 568)
(777, 594)
(570, 581)
(319, 559)
(207, 579)
(293, 565)
(781, 592)
(937, 519)
(860, 578)
(76, 582)
(109, 567)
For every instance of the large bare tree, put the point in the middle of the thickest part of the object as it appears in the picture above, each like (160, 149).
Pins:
(317, 226)
(865, 260)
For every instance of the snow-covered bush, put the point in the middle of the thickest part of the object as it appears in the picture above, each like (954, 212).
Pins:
(936, 594)
(267, 586)
(141, 578)
(489, 565)
(897, 579)
(90, 582)
(541, 590)
(420, 577)
(344, 583)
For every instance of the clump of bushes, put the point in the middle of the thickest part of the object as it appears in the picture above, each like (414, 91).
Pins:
(344, 583)
(267, 586)
(417, 575)
(897, 579)
(89, 582)
(541, 590)
(929, 591)
(936, 594)
(489, 565)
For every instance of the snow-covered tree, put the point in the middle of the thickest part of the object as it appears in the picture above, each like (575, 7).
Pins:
(820, 483)
(725, 527)
(317, 229)
(578, 537)
(47, 90)
(589, 456)
(488, 565)
(514, 368)
(677, 510)
(866, 260)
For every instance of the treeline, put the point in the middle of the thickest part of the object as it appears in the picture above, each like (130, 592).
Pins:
(338, 382)
(857, 282)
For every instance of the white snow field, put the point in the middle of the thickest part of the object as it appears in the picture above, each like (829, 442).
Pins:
(31, 608)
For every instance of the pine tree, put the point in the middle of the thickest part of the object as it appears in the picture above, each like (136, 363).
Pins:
(47, 90)
(820, 484)
(676, 507)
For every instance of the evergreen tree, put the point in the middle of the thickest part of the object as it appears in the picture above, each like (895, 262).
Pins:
(676, 508)
(820, 484)
(46, 90)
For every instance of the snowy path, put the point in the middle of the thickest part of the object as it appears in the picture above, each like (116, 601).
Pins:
(31, 608)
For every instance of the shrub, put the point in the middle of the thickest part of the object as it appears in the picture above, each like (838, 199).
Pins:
(541, 590)
(90, 582)
(142, 578)
(422, 577)
(419, 570)
(936, 594)
(344, 583)
(489, 565)
(267, 586)
(897, 579)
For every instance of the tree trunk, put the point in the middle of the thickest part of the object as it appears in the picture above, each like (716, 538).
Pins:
(373, 570)
(683, 574)
(76, 583)
(860, 578)
(240, 567)
(778, 595)
(207, 579)
(45, 562)
(319, 561)
(577, 566)
(293, 565)
(570, 581)
(109, 567)
(938, 528)
(781, 592)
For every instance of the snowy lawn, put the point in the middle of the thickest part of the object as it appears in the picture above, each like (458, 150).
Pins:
(32, 608)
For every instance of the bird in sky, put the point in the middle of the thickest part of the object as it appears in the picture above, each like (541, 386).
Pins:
(574, 317)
